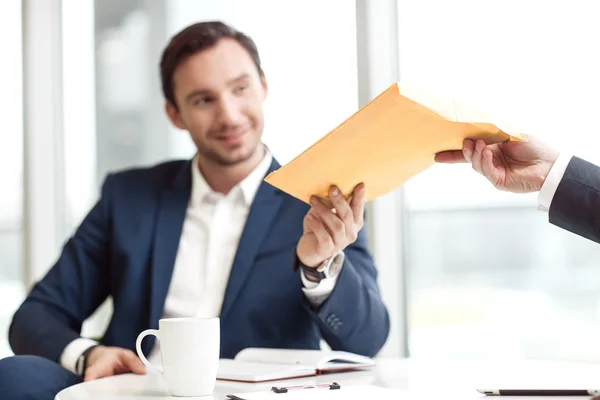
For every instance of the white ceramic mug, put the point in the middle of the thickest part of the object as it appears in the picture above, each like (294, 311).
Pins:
(189, 350)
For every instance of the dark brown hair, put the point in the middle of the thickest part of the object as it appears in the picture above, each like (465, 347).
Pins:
(193, 39)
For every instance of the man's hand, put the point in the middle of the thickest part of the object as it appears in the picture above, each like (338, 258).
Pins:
(518, 167)
(108, 361)
(327, 232)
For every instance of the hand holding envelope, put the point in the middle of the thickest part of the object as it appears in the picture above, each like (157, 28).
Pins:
(325, 232)
(517, 167)
(389, 140)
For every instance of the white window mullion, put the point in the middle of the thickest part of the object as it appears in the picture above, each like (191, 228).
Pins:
(377, 45)
(43, 139)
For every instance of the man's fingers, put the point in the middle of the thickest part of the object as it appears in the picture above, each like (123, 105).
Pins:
(342, 208)
(477, 155)
(467, 150)
(332, 222)
(132, 362)
(487, 166)
(321, 233)
(450, 157)
(357, 204)
(117, 362)
(457, 156)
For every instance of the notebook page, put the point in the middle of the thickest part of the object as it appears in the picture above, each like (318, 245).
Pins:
(281, 356)
(248, 371)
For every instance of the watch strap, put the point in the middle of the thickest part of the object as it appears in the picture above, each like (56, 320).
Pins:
(82, 360)
(312, 274)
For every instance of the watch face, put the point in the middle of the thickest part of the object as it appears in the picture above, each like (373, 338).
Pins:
(336, 265)
(333, 266)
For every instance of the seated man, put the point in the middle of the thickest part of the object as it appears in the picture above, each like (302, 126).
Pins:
(201, 237)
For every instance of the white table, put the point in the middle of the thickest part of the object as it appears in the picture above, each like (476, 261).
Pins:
(419, 379)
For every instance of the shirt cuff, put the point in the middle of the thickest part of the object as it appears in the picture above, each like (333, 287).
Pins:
(552, 180)
(318, 292)
(73, 351)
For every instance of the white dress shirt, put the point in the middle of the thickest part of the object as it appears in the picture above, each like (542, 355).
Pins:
(209, 240)
(552, 180)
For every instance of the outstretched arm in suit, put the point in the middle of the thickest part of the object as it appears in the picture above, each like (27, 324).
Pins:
(569, 187)
(576, 202)
(352, 317)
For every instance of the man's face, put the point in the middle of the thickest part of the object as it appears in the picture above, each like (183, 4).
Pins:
(219, 94)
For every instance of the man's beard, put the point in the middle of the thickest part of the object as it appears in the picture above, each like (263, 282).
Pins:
(218, 159)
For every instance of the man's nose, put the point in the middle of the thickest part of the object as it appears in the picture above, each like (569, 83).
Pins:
(228, 111)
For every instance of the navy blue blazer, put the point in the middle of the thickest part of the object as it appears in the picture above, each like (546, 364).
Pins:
(126, 247)
(576, 203)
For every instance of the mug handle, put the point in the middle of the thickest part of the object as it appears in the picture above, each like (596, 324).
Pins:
(138, 347)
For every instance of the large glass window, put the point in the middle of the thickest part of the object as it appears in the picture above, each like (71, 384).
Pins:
(113, 115)
(12, 288)
(487, 274)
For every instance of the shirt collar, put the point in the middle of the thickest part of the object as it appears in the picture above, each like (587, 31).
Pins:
(248, 186)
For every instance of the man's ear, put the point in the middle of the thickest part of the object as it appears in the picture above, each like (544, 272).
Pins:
(263, 82)
(173, 114)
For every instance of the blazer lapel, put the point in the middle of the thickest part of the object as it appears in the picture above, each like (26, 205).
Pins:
(171, 215)
(262, 214)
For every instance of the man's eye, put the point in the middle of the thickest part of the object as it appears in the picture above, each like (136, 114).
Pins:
(202, 100)
(241, 89)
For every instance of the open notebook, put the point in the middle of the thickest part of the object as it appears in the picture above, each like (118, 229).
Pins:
(261, 365)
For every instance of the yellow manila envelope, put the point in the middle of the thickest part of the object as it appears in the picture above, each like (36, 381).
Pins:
(386, 142)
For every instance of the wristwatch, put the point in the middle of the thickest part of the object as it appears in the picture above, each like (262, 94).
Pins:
(81, 364)
(328, 269)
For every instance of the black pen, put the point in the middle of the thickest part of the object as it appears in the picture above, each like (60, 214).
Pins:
(285, 389)
(540, 392)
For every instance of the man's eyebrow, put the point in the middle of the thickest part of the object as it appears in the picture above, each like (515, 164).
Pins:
(239, 78)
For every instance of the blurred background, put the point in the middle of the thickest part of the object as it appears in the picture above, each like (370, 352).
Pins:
(465, 270)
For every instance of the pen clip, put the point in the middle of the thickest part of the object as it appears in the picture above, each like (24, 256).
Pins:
(285, 389)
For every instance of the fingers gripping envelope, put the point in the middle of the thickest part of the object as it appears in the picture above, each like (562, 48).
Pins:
(386, 142)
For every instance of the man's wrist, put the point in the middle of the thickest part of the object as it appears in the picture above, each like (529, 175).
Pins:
(553, 178)
(71, 353)
(329, 268)
(544, 174)
(83, 360)
(309, 263)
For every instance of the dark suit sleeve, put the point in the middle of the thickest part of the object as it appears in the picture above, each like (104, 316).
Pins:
(576, 203)
(354, 318)
(52, 314)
